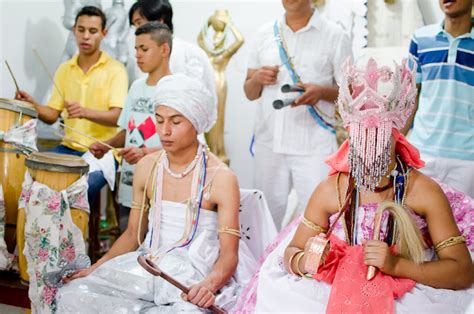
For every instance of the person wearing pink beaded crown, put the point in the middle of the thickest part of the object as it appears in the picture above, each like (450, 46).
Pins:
(398, 241)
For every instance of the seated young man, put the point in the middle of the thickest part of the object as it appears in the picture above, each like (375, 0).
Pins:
(194, 237)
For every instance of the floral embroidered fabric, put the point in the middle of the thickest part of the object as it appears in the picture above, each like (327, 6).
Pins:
(51, 238)
(23, 136)
(5, 257)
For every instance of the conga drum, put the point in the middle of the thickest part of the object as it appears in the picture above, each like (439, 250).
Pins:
(12, 162)
(58, 172)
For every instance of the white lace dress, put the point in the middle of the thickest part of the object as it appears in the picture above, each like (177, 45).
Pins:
(121, 285)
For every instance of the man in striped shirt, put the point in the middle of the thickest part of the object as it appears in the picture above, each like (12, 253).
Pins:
(443, 127)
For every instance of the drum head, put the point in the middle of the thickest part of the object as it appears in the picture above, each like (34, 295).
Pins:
(57, 163)
(18, 106)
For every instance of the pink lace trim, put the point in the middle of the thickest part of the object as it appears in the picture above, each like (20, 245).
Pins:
(463, 211)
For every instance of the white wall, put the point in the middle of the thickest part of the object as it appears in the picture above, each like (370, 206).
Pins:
(26, 24)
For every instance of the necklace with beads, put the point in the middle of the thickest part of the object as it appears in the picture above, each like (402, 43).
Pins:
(187, 170)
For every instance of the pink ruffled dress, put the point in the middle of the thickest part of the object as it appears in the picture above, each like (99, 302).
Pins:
(272, 289)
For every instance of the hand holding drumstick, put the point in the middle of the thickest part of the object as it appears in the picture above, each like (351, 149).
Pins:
(75, 110)
(154, 270)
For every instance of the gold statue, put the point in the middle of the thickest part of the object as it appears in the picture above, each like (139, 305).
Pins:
(219, 54)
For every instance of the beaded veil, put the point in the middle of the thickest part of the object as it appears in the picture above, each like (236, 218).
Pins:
(370, 115)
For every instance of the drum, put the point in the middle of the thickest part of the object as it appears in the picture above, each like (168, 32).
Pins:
(12, 162)
(58, 172)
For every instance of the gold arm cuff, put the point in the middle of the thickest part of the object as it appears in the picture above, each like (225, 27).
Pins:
(298, 270)
(311, 225)
(290, 266)
(230, 231)
(449, 242)
(136, 205)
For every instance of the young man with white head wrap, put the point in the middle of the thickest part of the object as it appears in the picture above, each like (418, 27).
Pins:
(204, 256)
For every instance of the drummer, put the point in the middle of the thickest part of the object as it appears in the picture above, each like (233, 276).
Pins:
(90, 90)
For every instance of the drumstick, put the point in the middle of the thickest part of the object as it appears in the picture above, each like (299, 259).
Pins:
(90, 137)
(49, 74)
(154, 270)
(71, 140)
(13, 76)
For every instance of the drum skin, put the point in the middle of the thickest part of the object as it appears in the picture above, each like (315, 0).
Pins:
(12, 163)
(57, 171)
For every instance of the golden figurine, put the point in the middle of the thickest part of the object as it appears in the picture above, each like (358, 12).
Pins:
(219, 52)
(319, 3)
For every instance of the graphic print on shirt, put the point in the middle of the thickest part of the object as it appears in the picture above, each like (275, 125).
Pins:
(141, 130)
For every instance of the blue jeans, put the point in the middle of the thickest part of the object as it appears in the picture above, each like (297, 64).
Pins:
(96, 179)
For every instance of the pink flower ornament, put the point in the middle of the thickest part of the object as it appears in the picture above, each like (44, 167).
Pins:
(43, 254)
(371, 121)
(49, 294)
(69, 253)
(54, 202)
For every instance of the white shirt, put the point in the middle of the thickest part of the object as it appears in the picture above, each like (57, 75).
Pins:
(192, 61)
(317, 51)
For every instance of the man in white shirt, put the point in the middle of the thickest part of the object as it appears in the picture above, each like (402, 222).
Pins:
(185, 57)
(292, 143)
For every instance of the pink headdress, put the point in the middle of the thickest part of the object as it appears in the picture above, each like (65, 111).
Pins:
(371, 115)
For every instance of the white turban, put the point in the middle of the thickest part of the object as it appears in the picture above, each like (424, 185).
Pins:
(190, 98)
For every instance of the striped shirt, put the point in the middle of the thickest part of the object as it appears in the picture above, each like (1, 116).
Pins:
(444, 122)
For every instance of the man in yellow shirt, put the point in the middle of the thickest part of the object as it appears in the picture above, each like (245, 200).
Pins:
(90, 92)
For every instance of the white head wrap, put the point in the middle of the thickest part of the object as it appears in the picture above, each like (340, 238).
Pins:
(190, 98)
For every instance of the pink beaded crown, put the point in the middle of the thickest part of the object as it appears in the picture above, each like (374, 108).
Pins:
(370, 115)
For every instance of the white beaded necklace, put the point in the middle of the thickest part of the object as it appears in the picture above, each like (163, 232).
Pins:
(189, 168)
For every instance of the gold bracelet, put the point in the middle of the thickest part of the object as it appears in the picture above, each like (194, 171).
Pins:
(311, 225)
(136, 205)
(449, 242)
(230, 231)
(298, 270)
(290, 266)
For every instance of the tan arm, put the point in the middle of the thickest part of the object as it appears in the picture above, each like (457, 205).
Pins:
(225, 193)
(46, 114)
(127, 242)
(454, 269)
(108, 118)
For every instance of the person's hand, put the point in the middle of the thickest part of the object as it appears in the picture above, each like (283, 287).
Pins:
(132, 154)
(80, 273)
(266, 75)
(200, 294)
(312, 94)
(24, 96)
(98, 150)
(75, 110)
(378, 254)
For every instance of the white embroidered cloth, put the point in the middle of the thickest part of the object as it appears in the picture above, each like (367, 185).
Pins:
(51, 237)
(5, 257)
(23, 136)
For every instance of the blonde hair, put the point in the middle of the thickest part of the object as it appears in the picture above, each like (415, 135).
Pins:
(409, 240)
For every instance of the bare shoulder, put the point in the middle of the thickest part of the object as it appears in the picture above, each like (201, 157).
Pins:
(324, 197)
(145, 164)
(424, 194)
(219, 171)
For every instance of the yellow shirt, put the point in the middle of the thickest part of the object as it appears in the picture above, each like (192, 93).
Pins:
(104, 86)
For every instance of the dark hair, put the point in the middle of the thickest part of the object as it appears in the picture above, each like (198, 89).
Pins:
(135, 7)
(159, 32)
(92, 11)
(157, 10)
